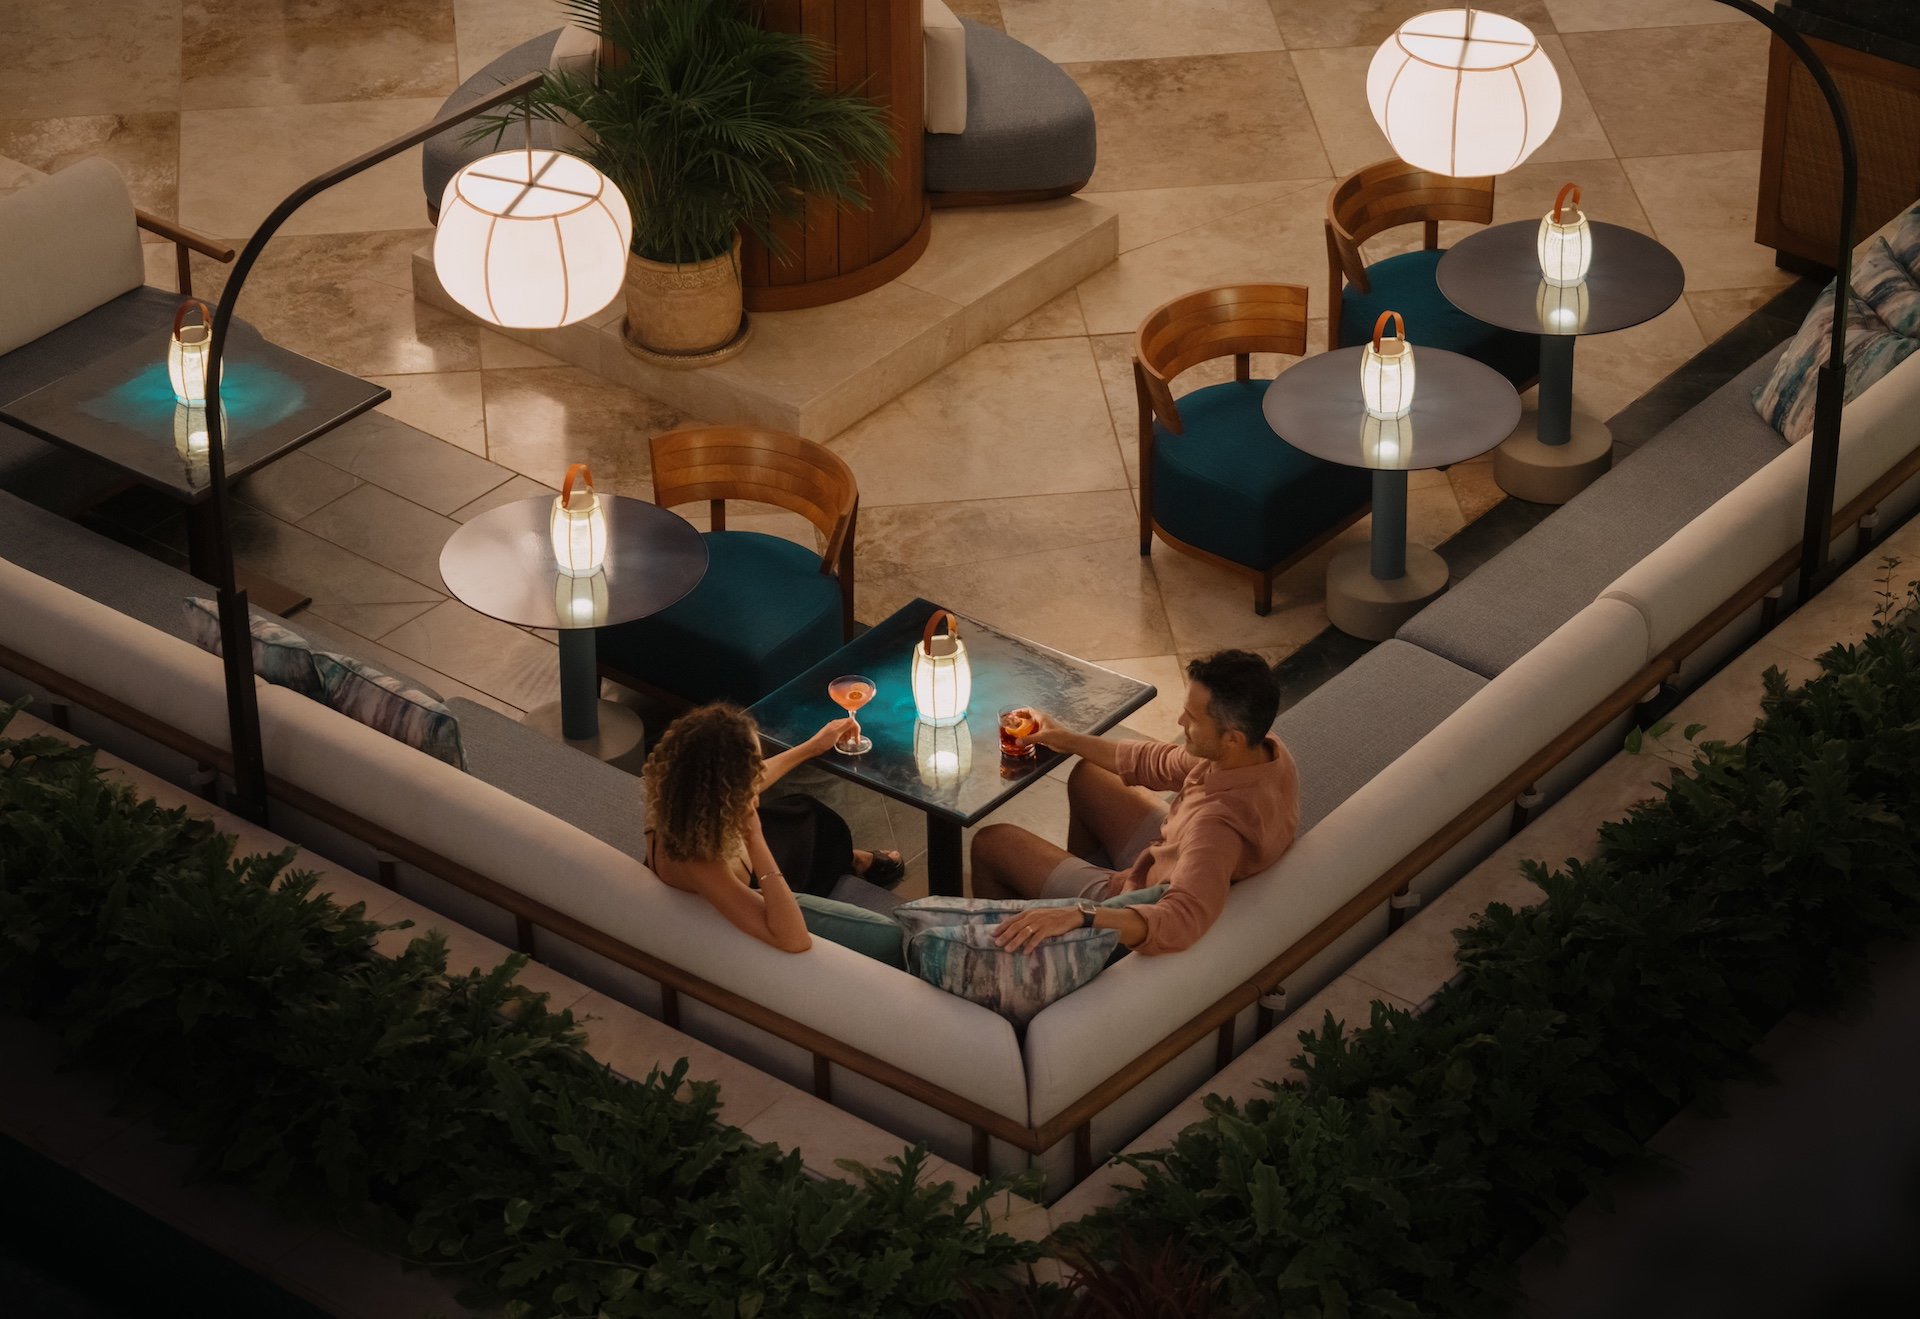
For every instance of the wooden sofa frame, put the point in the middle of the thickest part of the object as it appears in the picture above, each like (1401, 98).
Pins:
(1076, 1121)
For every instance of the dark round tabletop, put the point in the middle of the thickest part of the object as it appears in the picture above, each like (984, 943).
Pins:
(501, 563)
(1494, 276)
(1461, 409)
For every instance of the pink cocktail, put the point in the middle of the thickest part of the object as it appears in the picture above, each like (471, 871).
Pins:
(850, 693)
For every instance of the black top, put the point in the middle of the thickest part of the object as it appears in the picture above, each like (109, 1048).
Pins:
(120, 409)
(501, 563)
(925, 766)
(1461, 409)
(1494, 276)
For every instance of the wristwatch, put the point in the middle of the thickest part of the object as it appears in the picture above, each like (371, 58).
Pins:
(1086, 914)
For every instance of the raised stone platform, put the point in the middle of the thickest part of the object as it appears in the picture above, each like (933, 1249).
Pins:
(817, 371)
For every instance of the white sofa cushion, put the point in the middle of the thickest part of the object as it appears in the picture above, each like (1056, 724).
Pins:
(1728, 544)
(576, 52)
(67, 244)
(1073, 1045)
(946, 73)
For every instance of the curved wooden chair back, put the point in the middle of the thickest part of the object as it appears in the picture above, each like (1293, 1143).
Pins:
(1386, 195)
(1236, 320)
(718, 463)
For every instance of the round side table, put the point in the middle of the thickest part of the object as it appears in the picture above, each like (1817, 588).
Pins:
(1460, 410)
(1494, 276)
(501, 564)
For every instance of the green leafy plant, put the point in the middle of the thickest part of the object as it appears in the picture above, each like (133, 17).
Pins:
(1418, 1156)
(708, 124)
(449, 1118)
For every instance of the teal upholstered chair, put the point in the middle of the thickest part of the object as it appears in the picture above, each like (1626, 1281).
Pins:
(1215, 481)
(1386, 195)
(767, 607)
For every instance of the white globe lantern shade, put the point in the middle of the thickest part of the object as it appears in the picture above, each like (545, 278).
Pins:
(1463, 93)
(532, 240)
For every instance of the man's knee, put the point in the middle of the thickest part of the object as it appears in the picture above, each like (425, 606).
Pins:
(994, 841)
(1086, 777)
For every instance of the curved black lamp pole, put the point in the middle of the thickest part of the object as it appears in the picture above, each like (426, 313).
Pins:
(236, 641)
(1824, 461)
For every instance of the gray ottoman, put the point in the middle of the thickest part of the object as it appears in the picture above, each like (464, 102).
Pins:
(443, 156)
(1029, 131)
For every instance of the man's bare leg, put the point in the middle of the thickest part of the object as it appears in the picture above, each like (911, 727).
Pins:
(1009, 862)
(1103, 812)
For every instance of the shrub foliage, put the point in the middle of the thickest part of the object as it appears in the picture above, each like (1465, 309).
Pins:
(449, 1118)
(1418, 1156)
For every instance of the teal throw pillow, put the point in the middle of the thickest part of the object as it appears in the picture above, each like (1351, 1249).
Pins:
(1889, 289)
(390, 705)
(866, 932)
(280, 655)
(1785, 400)
(963, 959)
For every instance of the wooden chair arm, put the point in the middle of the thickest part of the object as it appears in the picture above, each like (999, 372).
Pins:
(186, 238)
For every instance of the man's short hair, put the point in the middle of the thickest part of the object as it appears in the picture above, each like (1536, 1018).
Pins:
(1245, 697)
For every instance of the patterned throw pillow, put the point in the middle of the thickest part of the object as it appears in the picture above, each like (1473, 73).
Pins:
(866, 932)
(1889, 289)
(1904, 239)
(390, 705)
(964, 960)
(1785, 401)
(280, 656)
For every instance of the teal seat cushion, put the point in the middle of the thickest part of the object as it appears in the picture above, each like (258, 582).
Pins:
(1228, 485)
(763, 612)
(1406, 284)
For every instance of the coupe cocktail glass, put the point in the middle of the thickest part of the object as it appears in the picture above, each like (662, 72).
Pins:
(850, 693)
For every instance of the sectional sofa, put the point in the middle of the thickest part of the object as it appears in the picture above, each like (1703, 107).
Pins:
(1415, 762)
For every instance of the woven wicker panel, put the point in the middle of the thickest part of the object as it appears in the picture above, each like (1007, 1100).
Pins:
(1886, 131)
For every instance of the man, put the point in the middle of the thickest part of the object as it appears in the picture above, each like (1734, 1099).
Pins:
(1235, 810)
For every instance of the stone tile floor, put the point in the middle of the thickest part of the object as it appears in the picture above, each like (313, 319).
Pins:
(1006, 484)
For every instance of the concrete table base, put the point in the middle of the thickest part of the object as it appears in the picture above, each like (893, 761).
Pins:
(1373, 608)
(620, 729)
(1540, 473)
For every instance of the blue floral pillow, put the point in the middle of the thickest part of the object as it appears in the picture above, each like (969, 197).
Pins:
(963, 959)
(390, 705)
(280, 655)
(1873, 348)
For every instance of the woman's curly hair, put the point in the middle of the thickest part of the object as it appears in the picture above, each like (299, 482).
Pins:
(700, 782)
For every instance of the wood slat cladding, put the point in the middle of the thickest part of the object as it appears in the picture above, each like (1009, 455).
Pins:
(875, 48)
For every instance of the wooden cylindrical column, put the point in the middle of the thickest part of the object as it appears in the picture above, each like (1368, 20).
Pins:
(874, 48)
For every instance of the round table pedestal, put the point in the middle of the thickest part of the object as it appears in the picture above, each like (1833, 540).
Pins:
(617, 732)
(1528, 468)
(1373, 608)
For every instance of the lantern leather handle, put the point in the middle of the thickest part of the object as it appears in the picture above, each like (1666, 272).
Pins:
(953, 629)
(1566, 190)
(1399, 327)
(192, 304)
(580, 470)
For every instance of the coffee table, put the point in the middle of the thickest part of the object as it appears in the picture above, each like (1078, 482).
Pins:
(501, 563)
(120, 410)
(953, 775)
(1494, 276)
(1461, 409)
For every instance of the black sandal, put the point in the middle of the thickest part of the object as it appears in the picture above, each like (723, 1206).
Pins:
(885, 870)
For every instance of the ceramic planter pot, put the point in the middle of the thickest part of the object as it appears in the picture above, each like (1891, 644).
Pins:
(689, 311)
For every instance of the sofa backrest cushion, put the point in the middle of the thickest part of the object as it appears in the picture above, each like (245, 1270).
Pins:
(1728, 545)
(576, 51)
(67, 244)
(946, 73)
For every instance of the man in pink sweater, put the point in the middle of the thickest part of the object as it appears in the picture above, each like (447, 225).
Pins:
(1235, 809)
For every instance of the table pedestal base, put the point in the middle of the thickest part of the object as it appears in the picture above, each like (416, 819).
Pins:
(1372, 608)
(1553, 473)
(620, 730)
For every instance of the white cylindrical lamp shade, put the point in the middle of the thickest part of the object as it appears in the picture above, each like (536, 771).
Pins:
(1463, 92)
(532, 240)
(1387, 369)
(1565, 241)
(187, 353)
(942, 674)
(579, 526)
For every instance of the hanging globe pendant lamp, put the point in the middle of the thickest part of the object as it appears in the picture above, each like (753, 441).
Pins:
(532, 239)
(1464, 93)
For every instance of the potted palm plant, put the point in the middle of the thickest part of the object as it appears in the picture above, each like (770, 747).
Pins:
(710, 125)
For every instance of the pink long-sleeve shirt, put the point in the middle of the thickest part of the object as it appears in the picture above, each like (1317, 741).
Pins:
(1224, 825)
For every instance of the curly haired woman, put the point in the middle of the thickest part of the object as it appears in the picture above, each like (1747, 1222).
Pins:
(705, 831)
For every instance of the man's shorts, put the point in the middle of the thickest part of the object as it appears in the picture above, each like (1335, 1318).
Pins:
(1075, 877)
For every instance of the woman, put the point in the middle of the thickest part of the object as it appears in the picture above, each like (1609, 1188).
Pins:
(706, 833)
